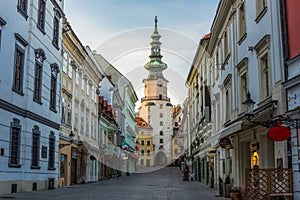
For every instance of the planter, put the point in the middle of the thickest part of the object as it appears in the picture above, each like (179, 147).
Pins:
(221, 191)
(227, 189)
(235, 195)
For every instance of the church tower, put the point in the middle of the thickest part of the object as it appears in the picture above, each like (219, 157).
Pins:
(156, 108)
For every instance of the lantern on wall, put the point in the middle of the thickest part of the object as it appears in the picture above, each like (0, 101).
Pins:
(279, 133)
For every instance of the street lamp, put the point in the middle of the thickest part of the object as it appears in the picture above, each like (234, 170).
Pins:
(248, 106)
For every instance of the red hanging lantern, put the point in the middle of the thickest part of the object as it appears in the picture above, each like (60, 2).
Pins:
(279, 133)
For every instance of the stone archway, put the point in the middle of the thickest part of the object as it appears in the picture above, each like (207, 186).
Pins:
(161, 159)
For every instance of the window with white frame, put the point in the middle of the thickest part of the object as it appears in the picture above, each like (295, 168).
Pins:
(261, 8)
(242, 23)
(227, 98)
(77, 77)
(82, 83)
(70, 68)
(264, 68)
(65, 62)
(242, 68)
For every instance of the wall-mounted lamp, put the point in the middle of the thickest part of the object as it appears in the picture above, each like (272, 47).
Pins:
(71, 136)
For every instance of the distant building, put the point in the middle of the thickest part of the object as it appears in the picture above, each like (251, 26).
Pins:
(145, 147)
(156, 108)
(177, 147)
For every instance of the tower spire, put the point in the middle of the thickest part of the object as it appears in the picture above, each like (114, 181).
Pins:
(155, 66)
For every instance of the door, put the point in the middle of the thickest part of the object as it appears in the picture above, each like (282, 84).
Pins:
(73, 171)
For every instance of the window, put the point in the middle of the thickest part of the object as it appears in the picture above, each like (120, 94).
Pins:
(161, 133)
(242, 23)
(161, 141)
(261, 9)
(88, 89)
(54, 72)
(87, 122)
(39, 59)
(142, 152)
(65, 62)
(142, 161)
(264, 72)
(22, 7)
(18, 70)
(148, 143)
(77, 77)
(56, 18)
(37, 82)
(69, 112)
(15, 143)
(70, 68)
(161, 106)
(160, 115)
(142, 142)
(41, 15)
(82, 83)
(227, 106)
(148, 152)
(263, 56)
(76, 115)
(2, 23)
(227, 98)
(51, 157)
(176, 151)
(63, 109)
(161, 123)
(225, 45)
(35, 152)
(242, 68)
(82, 120)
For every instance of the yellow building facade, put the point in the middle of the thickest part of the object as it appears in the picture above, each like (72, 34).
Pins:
(145, 148)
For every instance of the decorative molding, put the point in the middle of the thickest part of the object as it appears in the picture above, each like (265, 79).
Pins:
(21, 39)
(27, 114)
(54, 69)
(2, 22)
(40, 55)
(242, 63)
(262, 43)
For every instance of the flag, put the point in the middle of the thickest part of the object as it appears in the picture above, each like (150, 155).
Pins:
(124, 145)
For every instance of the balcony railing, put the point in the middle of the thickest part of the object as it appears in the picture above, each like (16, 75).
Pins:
(269, 184)
(155, 98)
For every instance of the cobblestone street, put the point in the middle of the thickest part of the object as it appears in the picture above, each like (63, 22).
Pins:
(162, 184)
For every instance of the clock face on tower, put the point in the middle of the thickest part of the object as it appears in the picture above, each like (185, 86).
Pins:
(159, 84)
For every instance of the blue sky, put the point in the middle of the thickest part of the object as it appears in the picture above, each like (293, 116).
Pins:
(120, 30)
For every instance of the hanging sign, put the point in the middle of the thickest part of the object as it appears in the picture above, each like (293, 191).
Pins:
(224, 142)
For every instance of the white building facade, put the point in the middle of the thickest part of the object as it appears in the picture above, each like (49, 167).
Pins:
(29, 104)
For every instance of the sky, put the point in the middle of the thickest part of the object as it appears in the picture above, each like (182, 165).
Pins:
(120, 30)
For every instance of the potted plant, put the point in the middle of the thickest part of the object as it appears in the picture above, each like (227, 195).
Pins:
(227, 186)
(235, 193)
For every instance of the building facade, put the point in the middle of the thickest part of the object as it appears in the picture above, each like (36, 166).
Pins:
(291, 52)
(125, 115)
(30, 39)
(246, 59)
(145, 147)
(156, 108)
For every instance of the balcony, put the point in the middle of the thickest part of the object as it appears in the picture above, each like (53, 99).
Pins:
(155, 98)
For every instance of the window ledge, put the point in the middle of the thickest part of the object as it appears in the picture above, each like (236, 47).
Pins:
(23, 13)
(38, 101)
(261, 14)
(35, 167)
(53, 110)
(55, 45)
(51, 168)
(41, 29)
(14, 165)
(241, 40)
(19, 92)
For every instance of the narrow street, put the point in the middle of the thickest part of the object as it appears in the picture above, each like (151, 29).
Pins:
(162, 184)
